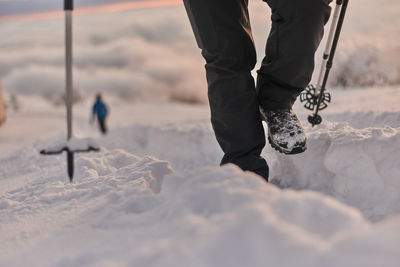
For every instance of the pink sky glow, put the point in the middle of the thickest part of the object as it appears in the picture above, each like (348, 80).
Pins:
(93, 10)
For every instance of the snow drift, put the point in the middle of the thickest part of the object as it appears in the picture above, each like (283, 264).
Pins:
(128, 209)
(356, 166)
(363, 66)
(154, 195)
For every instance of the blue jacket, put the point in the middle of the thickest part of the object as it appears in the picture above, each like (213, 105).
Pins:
(100, 109)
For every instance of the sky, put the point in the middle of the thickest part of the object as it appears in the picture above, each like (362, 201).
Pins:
(12, 7)
(44, 9)
(136, 58)
(149, 52)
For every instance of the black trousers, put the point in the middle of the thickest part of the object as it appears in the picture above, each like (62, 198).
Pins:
(222, 31)
(102, 126)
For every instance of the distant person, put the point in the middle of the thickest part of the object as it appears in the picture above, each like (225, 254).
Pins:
(101, 111)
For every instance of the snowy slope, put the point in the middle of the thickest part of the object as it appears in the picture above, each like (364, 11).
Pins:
(154, 195)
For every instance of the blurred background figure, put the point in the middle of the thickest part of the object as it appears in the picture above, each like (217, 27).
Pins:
(100, 111)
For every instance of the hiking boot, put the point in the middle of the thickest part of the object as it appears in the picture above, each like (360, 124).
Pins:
(285, 132)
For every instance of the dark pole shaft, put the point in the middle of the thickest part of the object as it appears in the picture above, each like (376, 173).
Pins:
(68, 69)
(68, 4)
(68, 7)
(332, 53)
(70, 165)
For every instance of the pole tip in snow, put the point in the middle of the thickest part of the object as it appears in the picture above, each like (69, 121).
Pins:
(72, 146)
(70, 164)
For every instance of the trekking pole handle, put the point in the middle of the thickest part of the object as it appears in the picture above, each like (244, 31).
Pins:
(69, 5)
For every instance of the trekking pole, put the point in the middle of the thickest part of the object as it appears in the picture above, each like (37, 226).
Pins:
(73, 145)
(68, 7)
(315, 97)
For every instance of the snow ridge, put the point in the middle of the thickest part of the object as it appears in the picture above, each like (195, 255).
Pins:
(356, 166)
(129, 209)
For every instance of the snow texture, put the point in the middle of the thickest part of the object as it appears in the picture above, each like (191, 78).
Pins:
(154, 194)
(356, 166)
(363, 66)
(337, 204)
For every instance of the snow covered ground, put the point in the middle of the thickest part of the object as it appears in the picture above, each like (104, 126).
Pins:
(154, 195)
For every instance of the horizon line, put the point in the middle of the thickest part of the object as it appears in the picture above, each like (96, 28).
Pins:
(107, 8)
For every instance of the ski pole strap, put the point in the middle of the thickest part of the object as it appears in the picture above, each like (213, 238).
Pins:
(68, 4)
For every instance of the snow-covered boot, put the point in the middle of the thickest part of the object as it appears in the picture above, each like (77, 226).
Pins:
(285, 132)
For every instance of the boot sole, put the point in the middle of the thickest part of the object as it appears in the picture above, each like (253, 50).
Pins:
(296, 150)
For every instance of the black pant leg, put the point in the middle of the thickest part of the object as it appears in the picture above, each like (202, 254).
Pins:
(296, 32)
(222, 30)
(103, 127)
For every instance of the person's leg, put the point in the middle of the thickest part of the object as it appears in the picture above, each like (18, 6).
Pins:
(297, 29)
(103, 128)
(222, 30)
